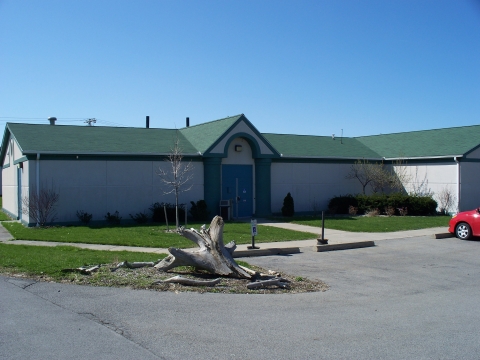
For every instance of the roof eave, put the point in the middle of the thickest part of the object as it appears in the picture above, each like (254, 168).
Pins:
(424, 157)
(328, 157)
(34, 152)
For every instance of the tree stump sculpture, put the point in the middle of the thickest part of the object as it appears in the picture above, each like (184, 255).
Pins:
(211, 255)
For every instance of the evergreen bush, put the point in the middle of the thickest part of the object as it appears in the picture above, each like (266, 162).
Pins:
(199, 210)
(288, 208)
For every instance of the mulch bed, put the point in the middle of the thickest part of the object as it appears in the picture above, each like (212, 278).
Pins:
(144, 278)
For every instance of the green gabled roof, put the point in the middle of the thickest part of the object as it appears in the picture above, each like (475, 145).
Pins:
(205, 135)
(426, 143)
(67, 139)
(320, 146)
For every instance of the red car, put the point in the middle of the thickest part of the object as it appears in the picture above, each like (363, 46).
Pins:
(465, 224)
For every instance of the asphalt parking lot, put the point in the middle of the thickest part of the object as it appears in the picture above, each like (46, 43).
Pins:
(402, 299)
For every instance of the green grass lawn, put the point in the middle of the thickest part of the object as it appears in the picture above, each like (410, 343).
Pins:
(49, 261)
(147, 235)
(3, 216)
(377, 224)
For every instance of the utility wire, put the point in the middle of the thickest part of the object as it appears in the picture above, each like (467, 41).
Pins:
(4, 119)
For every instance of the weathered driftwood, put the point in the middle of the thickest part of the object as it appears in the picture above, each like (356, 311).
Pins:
(88, 269)
(271, 272)
(256, 274)
(250, 271)
(186, 281)
(85, 270)
(211, 255)
(133, 265)
(282, 283)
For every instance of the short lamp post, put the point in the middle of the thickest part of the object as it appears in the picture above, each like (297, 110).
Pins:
(253, 226)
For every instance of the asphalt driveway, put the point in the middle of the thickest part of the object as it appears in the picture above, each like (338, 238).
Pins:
(402, 299)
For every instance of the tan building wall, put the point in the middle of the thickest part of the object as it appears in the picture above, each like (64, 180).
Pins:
(431, 179)
(311, 185)
(10, 198)
(102, 186)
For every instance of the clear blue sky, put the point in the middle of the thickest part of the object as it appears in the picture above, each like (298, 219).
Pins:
(297, 67)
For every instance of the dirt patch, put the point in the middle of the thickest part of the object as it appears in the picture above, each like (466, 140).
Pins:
(144, 278)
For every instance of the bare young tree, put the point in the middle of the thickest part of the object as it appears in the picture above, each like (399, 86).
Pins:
(178, 176)
(40, 206)
(400, 175)
(420, 186)
(378, 176)
(369, 173)
(446, 200)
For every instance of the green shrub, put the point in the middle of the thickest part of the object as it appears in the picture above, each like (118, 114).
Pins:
(367, 203)
(422, 205)
(84, 217)
(140, 218)
(113, 219)
(288, 208)
(341, 204)
(199, 210)
(158, 214)
(415, 205)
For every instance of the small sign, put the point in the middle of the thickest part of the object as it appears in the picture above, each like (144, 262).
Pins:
(253, 224)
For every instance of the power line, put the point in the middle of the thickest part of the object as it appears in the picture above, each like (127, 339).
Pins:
(25, 118)
(4, 119)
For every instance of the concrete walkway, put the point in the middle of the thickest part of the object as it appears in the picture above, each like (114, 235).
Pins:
(334, 237)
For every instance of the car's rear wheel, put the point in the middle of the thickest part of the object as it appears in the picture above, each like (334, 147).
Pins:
(463, 231)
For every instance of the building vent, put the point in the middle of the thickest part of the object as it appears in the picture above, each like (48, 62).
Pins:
(52, 120)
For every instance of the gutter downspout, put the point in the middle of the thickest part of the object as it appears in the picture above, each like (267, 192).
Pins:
(38, 179)
(458, 182)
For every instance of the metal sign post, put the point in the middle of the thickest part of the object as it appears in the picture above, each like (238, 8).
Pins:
(253, 225)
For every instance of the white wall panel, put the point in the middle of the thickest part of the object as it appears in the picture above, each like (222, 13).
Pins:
(73, 172)
(92, 199)
(196, 171)
(129, 200)
(10, 199)
(440, 174)
(98, 187)
(434, 178)
(17, 153)
(9, 189)
(310, 184)
(129, 173)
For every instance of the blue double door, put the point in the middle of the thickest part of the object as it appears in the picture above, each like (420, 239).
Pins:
(237, 185)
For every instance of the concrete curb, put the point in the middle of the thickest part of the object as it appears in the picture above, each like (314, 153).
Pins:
(265, 252)
(296, 250)
(345, 246)
(443, 235)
